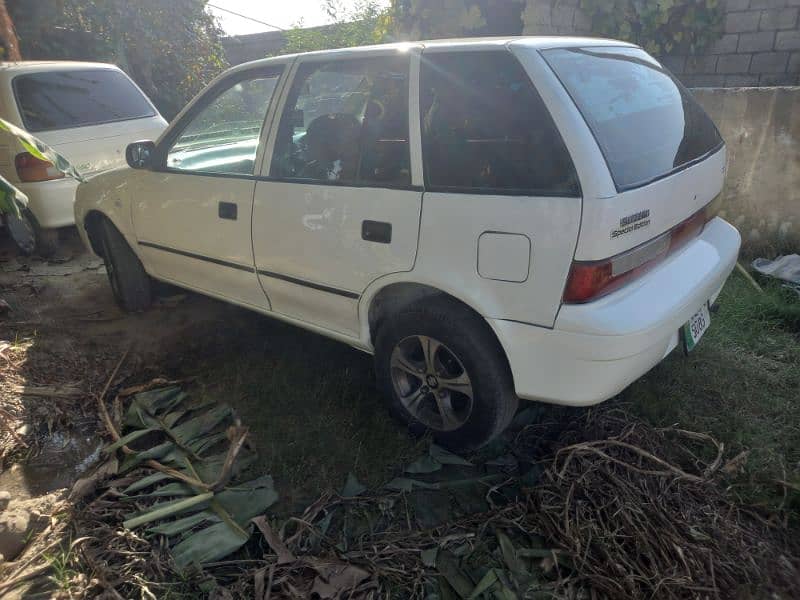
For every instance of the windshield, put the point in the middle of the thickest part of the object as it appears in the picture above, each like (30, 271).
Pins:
(65, 99)
(646, 123)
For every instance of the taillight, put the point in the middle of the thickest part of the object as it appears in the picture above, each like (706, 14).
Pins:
(590, 280)
(31, 168)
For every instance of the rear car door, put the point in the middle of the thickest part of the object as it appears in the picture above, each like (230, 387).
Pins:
(340, 207)
(192, 212)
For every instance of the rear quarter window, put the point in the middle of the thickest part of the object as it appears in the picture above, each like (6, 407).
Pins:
(645, 122)
(486, 130)
(65, 99)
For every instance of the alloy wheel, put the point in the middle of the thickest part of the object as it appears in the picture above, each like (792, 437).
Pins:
(432, 383)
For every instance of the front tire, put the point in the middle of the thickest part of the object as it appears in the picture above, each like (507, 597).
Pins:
(129, 281)
(442, 370)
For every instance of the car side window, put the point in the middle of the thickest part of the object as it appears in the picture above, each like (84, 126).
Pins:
(346, 122)
(485, 128)
(223, 136)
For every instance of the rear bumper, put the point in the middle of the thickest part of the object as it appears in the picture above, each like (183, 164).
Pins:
(596, 350)
(51, 202)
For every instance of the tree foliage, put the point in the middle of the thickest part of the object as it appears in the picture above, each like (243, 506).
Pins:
(375, 21)
(356, 23)
(170, 48)
(424, 19)
(659, 26)
(8, 37)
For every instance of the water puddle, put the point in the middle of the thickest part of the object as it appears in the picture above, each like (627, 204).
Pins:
(63, 457)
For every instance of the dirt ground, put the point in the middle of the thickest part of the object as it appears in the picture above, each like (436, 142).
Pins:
(65, 329)
(316, 418)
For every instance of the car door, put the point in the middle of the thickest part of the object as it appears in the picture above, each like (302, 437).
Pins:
(192, 212)
(339, 207)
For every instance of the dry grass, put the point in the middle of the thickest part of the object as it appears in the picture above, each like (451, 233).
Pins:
(622, 510)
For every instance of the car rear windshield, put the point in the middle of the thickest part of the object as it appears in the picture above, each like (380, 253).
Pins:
(646, 123)
(65, 99)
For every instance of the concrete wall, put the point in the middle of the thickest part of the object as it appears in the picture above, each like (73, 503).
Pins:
(761, 127)
(244, 48)
(760, 45)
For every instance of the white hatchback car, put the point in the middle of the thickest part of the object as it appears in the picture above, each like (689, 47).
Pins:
(89, 113)
(493, 219)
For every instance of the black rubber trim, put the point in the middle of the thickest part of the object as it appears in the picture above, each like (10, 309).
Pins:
(225, 263)
(309, 284)
(216, 261)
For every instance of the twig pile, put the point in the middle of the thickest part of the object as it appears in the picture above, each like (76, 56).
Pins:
(641, 513)
(621, 511)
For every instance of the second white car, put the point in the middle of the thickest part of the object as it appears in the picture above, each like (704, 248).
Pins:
(87, 112)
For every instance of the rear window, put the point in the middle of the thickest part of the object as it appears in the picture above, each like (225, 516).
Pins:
(646, 123)
(486, 130)
(60, 100)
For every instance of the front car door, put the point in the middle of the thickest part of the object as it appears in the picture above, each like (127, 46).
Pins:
(340, 207)
(192, 212)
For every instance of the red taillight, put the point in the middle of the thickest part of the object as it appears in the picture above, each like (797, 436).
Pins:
(31, 168)
(590, 280)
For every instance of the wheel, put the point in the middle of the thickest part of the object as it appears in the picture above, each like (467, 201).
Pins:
(130, 283)
(442, 370)
(29, 236)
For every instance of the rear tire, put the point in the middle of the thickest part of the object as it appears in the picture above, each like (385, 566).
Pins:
(129, 281)
(442, 370)
(30, 237)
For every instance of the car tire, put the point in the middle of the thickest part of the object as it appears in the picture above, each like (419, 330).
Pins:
(459, 388)
(30, 237)
(129, 281)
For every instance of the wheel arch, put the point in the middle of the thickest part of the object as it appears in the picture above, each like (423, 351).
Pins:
(92, 223)
(380, 301)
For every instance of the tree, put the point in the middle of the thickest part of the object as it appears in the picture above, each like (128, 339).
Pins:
(8, 37)
(362, 24)
(171, 48)
(429, 19)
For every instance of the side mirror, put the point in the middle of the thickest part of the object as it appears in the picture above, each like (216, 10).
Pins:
(139, 154)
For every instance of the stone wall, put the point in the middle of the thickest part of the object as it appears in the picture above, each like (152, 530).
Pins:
(760, 45)
(761, 127)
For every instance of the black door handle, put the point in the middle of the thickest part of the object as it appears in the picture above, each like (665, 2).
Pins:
(228, 210)
(376, 231)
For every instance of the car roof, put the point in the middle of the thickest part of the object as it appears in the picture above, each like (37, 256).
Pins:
(454, 44)
(36, 66)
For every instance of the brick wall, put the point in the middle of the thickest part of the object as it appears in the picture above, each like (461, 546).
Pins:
(760, 45)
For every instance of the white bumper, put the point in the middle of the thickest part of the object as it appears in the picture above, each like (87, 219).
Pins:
(596, 350)
(51, 202)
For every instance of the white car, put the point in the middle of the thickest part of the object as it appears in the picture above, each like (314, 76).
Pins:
(492, 219)
(89, 113)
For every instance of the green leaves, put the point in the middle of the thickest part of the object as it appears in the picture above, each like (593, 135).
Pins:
(39, 149)
(11, 198)
(201, 520)
(659, 26)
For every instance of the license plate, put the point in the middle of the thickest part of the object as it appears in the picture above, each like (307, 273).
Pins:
(694, 329)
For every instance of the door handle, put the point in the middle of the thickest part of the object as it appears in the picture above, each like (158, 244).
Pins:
(376, 231)
(228, 210)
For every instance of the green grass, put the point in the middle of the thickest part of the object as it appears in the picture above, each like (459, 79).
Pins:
(313, 411)
(741, 384)
(315, 414)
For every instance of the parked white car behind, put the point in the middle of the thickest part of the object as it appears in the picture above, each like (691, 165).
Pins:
(89, 113)
(492, 219)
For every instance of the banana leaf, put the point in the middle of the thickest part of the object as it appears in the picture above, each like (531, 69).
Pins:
(40, 150)
(12, 200)
(200, 525)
